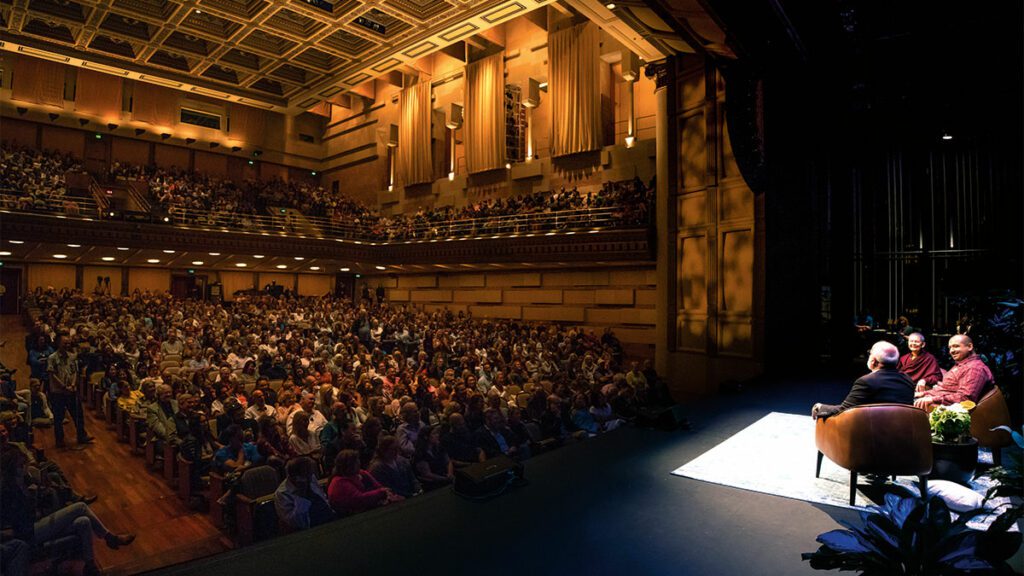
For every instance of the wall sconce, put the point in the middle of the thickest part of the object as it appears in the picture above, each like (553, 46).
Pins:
(22, 111)
(83, 121)
(165, 136)
(214, 144)
(236, 148)
(111, 127)
(190, 140)
(140, 131)
(53, 117)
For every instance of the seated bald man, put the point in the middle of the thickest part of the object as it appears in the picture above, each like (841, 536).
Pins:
(884, 384)
(968, 379)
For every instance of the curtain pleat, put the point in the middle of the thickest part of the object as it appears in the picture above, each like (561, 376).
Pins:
(38, 81)
(574, 82)
(248, 124)
(155, 104)
(414, 135)
(98, 93)
(484, 124)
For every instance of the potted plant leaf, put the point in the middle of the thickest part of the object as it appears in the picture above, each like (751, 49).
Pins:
(955, 451)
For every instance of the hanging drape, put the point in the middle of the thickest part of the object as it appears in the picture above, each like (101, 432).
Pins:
(484, 123)
(98, 93)
(414, 135)
(248, 124)
(39, 81)
(155, 104)
(574, 83)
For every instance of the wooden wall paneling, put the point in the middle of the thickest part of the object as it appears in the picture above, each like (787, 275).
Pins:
(19, 132)
(128, 151)
(65, 140)
(211, 164)
(89, 274)
(231, 282)
(166, 156)
(152, 279)
(54, 276)
(315, 284)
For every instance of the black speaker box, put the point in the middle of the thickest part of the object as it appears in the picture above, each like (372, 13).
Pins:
(486, 479)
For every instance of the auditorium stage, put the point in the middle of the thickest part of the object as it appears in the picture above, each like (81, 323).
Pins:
(604, 506)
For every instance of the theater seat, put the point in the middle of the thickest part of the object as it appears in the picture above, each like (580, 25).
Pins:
(255, 516)
(990, 412)
(884, 439)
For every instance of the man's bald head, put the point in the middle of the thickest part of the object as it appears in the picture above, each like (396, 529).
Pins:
(961, 347)
(885, 354)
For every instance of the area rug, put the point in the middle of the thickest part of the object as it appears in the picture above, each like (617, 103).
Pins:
(776, 455)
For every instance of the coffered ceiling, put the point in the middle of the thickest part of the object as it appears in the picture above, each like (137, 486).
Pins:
(275, 54)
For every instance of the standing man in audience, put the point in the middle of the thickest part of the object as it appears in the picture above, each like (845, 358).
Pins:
(919, 364)
(62, 367)
(969, 379)
(885, 383)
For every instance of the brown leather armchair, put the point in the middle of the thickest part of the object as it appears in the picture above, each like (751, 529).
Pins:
(885, 439)
(991, 411)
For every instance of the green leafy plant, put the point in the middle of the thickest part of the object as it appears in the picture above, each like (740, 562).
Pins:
(951, 424)
(911, 537)
(1009, 478)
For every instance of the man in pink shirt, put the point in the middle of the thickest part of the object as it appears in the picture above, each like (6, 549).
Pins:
(969, 379)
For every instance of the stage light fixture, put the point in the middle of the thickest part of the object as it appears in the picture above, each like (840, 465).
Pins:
(83, 121)
(947, 136)
(165, 136)
(140, 131)
(251, 163)
(21, 111)
(214, 144)
(236, 148)
(190, 140)
(53, 117)
(111, 126)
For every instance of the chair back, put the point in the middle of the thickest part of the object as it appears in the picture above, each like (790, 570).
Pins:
(878, 439)
(991, 411)
(258, 481)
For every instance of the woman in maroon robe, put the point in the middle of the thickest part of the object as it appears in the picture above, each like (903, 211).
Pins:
(920, 365)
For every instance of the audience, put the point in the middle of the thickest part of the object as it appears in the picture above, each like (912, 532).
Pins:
(299, 500)
(36, 178)
(352, 490)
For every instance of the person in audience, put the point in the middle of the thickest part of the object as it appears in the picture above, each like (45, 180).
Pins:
(64, 375)
(968, 379)
(302, 440)
(76, 520)
(160, 416)
(495, 438)
(433, 466)
(237, 455)
(286, 407)
(884, 383)
(195, 442)
(371, 433)
(259, 408)
(409, 429)
(919, 364)
(353, 490)
(459, 443)
(602, 412)
(393, 470)
(273, 448)
(234, 415)
(299, 500)
(316, 420)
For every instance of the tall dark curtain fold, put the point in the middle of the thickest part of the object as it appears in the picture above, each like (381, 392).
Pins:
(574, 83)
(38, 81)
(155, 104)
(248, 124)
(98, 93)
(414, 165)
(484, 115)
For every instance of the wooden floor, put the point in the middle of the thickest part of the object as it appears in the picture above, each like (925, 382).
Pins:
(131, 499)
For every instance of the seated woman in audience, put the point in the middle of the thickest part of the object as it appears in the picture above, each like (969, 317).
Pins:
(370, 436)
(602, 412)
(286, 406)
(459, 443)
(581, 416)
(75, 520)
(392, 470)
(353, 490)
(302, 441)
(237, 455)
(432, 465)
(271, 444)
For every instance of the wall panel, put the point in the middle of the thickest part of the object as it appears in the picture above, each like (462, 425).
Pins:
(55, 276)
(64, 140)
(127, 151)
(152, 279)
(231, 282)
(315, 284)
(89, 274)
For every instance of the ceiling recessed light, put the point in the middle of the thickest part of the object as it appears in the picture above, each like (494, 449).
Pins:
(257, 256)
(282, 266)
(299, 258)
(197, 262)
(314, 267)
(947, 136)
(107, 258)
(214, 253)
(123, 248)
(74, 245)
(16, 241)
(345, 269)
(610, 6)
(5, 253)
(60, 256)
(241, 264)
(153, 261)
(168, 251)
(380, 267)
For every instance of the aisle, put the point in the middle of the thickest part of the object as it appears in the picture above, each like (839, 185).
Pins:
(130, 498)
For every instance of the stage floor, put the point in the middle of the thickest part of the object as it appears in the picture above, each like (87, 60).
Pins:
(609, 505)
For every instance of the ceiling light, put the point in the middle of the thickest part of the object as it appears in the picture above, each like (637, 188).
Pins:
(74, 245)
(107, 258)
(214, 253)
(380, 267)
(610, 6)
(198, 11)
(197, 262)
(153, 261)
(299, 258)
(345, 269)
(314, 267)
(947, 136)
(16, 241)
(60, 256)
(123, 248)
(257, 256)
(241, 264)
(168, 251)
(5, 253)
(282, 266)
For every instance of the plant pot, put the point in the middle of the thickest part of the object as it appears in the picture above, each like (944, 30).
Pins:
(954, 462)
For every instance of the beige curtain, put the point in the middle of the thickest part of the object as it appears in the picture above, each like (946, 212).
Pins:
(155, 104)
(98, 93)
(414, 135)
(39, 81)
(574, 82)
(248, 124)
(484, 125)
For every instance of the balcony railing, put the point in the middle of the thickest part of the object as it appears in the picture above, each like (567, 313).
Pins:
(287, 223)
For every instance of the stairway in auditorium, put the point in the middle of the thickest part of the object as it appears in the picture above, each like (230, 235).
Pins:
(131, 499)
(293, 221)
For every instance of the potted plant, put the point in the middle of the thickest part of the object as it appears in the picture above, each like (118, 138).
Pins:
(955, 451)
(916, 537)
